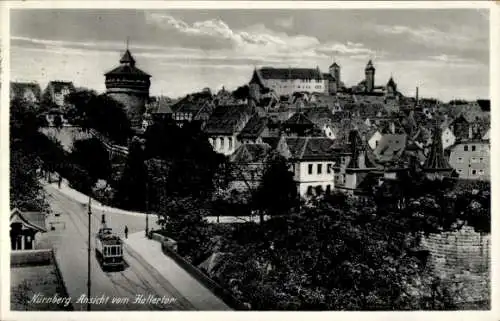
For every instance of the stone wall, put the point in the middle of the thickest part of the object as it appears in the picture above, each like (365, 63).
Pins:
(461, 259)
(135, 105)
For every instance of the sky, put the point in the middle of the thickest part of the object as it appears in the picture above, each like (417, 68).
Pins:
(445, 52)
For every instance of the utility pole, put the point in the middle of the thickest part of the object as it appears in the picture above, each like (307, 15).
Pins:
(88, 255)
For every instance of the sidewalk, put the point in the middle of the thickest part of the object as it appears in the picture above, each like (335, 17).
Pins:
(96, 205)
(84, 199)
(190, 288)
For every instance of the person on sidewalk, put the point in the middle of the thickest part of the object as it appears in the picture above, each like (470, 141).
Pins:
(126, 231)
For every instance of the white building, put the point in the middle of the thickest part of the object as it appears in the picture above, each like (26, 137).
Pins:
(286, 81)
(312, 161)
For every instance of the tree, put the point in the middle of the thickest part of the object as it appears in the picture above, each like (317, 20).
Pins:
(185, 221)
(194, 168)
(26, 192)
(101, 113)
(242, 92)
(132, 189)
(277, 193)
(92, 156)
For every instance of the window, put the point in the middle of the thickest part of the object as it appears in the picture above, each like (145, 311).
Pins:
(310, 169)
(473, 160)
(230, 141)
(466, 148)
(376, 143)
(319, 190)
(460, 170)
(473, 148)
(460, 160)
(320, 168)
(309, 190)
(481, 160)
(328, 189)
(329, 168)
(221, 143)
(481, 172)
(473, 172)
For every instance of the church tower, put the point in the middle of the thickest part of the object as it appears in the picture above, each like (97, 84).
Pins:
(436, 165)
(370, 76)
(129, 85)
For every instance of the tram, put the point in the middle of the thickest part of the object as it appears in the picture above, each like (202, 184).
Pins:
(109, 249)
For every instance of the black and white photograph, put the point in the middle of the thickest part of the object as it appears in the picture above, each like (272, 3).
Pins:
(249, 159)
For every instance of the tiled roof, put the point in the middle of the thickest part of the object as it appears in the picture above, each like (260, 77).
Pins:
(390, 147)
(227, 120)
(299, 119)
(127, 58)
(192, 103)
(311, 148)
(251, 153)
(19, 88)
(484, 104)
(319, 115)
(289, 73)
(35, 220)
(127, 67)
(127, 70)
(162, 106)
(254, 127)
(272, 141)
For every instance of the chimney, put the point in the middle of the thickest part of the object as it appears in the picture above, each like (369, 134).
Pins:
(470, 132)
(416, 94)
(393, 128)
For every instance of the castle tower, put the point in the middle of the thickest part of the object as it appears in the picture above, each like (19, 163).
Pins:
(370, 76)
(391, 87)
(129, 85)
(255, 86)
(335, 72)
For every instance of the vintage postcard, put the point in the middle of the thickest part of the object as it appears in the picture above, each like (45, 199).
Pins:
(248, 156)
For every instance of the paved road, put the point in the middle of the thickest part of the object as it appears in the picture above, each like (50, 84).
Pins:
(138, 278)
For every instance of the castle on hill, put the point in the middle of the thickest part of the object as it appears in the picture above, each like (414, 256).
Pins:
(286, 81)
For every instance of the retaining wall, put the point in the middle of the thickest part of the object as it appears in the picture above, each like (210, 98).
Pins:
(462, 260)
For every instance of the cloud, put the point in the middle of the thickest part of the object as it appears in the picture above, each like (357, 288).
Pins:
(460, 38)
(286, 23)
(257, 40)
(349, 48)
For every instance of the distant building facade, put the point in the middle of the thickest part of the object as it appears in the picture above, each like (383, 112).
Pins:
(471, 159)
(129, 85)
(286, 81)
(57, 91)
(29, 92)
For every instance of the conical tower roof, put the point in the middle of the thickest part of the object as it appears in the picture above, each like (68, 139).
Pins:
(127, 58)
(369, 65)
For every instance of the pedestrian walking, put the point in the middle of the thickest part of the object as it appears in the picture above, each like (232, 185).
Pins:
(126, 231)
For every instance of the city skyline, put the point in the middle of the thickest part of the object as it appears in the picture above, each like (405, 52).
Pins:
(443, 52)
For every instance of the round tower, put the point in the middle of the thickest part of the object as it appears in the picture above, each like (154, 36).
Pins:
(370, 76)
(129, 85)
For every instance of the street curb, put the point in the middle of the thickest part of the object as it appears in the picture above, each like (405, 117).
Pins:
(155, 273)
